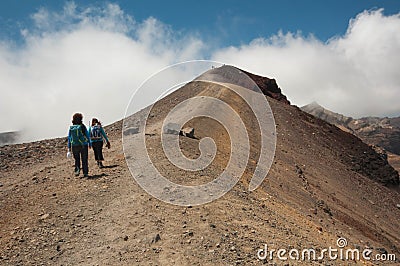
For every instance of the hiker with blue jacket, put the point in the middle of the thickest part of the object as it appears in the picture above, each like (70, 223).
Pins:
(97, 137)
(79, 141)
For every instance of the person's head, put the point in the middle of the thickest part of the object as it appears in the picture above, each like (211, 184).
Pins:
(77, 119)
(95, 121)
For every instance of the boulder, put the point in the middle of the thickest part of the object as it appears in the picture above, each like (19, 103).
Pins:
(187, 132)
(131, 131)
(171, 128)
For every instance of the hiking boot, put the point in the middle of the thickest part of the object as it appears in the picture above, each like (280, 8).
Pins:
(77, 171)
(101, 165)
(86, 175)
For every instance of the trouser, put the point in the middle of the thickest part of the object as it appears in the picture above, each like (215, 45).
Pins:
(98, 150)
(81, 152)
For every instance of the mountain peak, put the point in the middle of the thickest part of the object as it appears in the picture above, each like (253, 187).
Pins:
(228, 73)
(313, 106)
(319, 111)
(324, 184)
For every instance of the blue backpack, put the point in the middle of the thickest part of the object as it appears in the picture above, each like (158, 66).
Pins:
(95, 132)
(77, 135)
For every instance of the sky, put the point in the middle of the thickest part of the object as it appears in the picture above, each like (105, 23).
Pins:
(60, 57)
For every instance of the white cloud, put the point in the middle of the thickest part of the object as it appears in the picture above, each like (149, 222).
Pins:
(91, 60)
(356, 74)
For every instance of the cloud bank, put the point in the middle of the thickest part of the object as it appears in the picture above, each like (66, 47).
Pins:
(356, 74)
(91, 61)
(88, 61)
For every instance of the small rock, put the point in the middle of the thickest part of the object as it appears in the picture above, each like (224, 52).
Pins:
(398, 206)
(156, 238)
(298, 170)
(187, 132)
(44, 216)
(233, 248)
(382, 250)
(321, 204)
(126, 238)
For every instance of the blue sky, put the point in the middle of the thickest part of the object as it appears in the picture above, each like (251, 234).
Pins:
(56, 55)
(228, 22)
(237, 22)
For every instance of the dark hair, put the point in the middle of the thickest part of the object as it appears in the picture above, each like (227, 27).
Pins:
(95, 121)
(77, 119)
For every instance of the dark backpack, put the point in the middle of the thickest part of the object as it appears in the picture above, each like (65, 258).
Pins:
(77, 135)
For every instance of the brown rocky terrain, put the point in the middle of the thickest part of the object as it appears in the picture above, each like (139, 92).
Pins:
(324, 184)
(268, 86)
(383, 132)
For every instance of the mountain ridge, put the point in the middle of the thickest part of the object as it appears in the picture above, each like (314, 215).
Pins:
(382, 133)
(315, 193)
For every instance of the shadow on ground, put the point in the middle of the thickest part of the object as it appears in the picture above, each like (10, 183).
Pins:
(97, 176)
(110, 166)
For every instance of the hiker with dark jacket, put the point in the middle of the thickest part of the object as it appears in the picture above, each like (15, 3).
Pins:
(79, 141)
(97, 137)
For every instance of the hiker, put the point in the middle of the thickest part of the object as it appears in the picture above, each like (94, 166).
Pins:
(79, 141)
(97, 136)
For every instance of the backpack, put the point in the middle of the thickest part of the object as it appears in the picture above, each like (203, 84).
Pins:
(95, 133)
(77, 135)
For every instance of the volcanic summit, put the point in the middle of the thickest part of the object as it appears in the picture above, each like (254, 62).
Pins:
(324, 184)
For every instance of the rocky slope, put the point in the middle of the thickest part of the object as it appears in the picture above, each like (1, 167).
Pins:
(316, 191)
(225, 73)
(383, 132)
